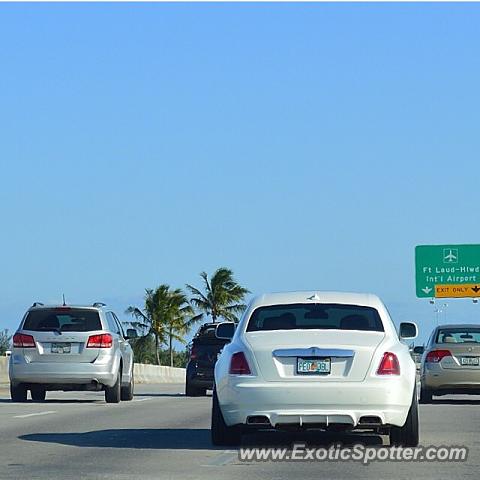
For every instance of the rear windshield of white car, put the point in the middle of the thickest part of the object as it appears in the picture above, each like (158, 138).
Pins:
(62, 320)
(458, 335)
(301, 316)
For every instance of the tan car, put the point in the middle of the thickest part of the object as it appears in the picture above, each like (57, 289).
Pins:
(451, 362)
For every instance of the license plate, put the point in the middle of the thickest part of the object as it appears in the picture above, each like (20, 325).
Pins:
(313, 366)
(470, 361)
(61, 347)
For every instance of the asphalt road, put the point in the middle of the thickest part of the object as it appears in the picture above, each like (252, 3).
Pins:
(163, 434)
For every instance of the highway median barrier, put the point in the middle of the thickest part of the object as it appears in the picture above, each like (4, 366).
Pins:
(158, 374)
(4, 370)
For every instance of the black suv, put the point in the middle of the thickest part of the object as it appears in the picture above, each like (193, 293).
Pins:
(203, 353)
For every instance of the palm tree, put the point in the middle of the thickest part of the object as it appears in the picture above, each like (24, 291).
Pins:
(177, 318)
(223, 296)
(148, 320)
(165, 316)
(5, 340)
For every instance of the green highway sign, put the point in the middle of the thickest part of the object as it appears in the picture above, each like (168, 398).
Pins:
(447, 265)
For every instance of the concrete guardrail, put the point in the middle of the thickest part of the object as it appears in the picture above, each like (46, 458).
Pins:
(158, 374)
(4, 370)
(143, 373)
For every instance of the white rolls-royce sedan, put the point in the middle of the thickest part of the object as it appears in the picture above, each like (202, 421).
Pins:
(315, 360)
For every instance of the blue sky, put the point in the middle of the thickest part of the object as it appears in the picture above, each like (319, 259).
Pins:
(303, 145)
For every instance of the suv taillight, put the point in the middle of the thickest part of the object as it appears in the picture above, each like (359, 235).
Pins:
(194, 353)
(21, 340)
(103, 340)
(389, 365)
(435, 356)
(239, 364)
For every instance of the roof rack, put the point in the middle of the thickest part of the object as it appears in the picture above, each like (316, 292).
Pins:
(37, 304)
(99, 304)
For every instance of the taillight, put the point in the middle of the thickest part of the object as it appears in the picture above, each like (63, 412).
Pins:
(239, 364)
(103, 340)
(21, 340)
(436, 356)
(194, 353)
(389, 365)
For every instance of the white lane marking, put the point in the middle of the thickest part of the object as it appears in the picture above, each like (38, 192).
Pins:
(35, 414)
(141, 399)
(228, 456)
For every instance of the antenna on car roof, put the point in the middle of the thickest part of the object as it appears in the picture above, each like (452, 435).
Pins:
(37, 304)
(99, 304)
(64, 304)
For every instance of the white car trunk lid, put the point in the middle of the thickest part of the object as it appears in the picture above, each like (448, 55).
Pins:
(350, 353)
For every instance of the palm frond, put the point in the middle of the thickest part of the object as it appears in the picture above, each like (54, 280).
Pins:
(197, 292)
(193, 320)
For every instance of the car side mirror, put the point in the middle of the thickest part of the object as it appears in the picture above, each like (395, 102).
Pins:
(131, 334)
(419, 350)
(225, 330)
(408, 330)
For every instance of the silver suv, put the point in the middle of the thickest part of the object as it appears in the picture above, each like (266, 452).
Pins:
(71, 348)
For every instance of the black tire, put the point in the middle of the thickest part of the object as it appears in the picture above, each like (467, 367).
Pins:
(112, 394)
(222, 434)
(38, 394)
(192, 391)
(126, 393)
(18, 393)
(408, 435)
(425, 395)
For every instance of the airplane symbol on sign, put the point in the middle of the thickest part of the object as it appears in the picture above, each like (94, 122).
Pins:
(450, 255)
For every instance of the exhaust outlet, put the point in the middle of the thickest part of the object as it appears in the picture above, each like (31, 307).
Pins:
(258, 420)
(370, 420)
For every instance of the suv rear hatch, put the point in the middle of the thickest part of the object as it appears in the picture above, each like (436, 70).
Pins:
(204, 353)
(61, 335)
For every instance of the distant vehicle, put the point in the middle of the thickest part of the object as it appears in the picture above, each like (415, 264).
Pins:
(8, 353)
(451, 361)
(315, 360)
(71, 348)
(203, 353)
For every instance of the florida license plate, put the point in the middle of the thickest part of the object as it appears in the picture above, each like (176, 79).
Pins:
(470, 361)
(313, 366)
(61, 347)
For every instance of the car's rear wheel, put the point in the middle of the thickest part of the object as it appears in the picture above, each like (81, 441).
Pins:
(38, 393)
(18, 393)
(112, 394)
(221, 433)
(408, 435)
(126, 393)
(425, 395)
(192, 391)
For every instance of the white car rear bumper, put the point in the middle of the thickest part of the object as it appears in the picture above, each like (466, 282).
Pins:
(303, 403)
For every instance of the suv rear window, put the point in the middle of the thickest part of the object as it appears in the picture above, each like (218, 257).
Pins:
(206, 331)
(62, 320)
(300, 316)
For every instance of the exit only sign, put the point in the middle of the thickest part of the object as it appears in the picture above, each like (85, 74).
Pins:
(447, 271)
